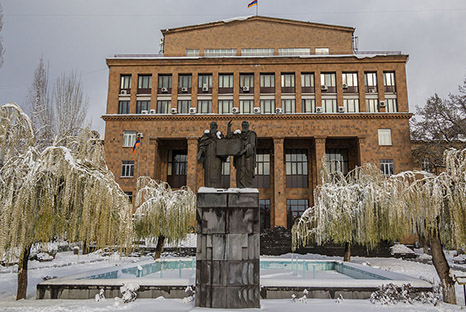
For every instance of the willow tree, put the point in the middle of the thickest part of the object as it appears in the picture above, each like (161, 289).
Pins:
(366, 208)
(65, 191)
(163, 213)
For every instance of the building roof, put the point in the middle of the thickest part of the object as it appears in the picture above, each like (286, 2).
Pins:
(256, 18)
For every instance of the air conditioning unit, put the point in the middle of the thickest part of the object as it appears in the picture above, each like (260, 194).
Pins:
(382, 104)
(144, 112)
(164, 90)
(318, 109)
(184, 89)
(345, 86)
(123, 92)
(324, 88)
(192, 110)
(341, 109)
(257, 110)
(174, 110)
(245, 89)
(140, 135)
(152, 111)
(278, 110)
(235, 110)
(205, 89)
(371, 90)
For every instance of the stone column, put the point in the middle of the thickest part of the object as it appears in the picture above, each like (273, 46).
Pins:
(279, 182)
(154, 158)
(363, 150)
(320, 153)
(228, 247)
(191, 180)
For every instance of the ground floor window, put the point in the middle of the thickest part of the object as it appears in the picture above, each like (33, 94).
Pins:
(294, 210)
(177, 168)
(264, 205)
(262, 171)
(337, 160)
(386, 165)
(296, 168)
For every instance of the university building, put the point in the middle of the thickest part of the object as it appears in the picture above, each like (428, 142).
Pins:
(304, 88)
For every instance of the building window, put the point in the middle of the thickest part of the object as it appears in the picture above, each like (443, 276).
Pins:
(328, 82)
(127, 168)
(246, 106)
(125, 84)
(165, 84)
(205, 83)
(337, 160)
(142, 107)
(351, 105)
(204, 106)
(389, 82)
(144, 84)
(226, 173)
(350, 82)
(370, 82)
(294, 209)
(163, 106)
(391, 106)
(225, 83)
(262, 171)
(309, 105)
(219, 52)
(192, 52)
(372, 105)
(296, 168)
(267, 106)
(386, 165)
(256, 52)
(289, 106)
(183, 106)
(427, 165)
(177, 168)
(246, 83)
(329, 105)
(184, 83)
(322, 51)
(123, 107)
(267, 83)
(129, 138)
(385, 136)
(288, 83)
(225, 106)
(264, 206)
(307, 83)
(294, 51)
(130, 196)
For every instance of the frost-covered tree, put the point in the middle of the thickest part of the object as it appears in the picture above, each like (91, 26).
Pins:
(60, 113)
(367, 208)
(163, 213)
(440, 124)
(64, 191)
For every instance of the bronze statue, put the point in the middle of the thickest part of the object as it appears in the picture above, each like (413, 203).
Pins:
(208, 156)
(245, 159)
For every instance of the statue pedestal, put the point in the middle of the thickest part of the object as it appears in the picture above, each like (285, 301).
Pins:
(227, 256)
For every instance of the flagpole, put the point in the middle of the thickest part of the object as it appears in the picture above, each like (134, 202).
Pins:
(257, 8)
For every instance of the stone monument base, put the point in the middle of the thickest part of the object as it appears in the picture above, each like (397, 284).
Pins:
(227, 256)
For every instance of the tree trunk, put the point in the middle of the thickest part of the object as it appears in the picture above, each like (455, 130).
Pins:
(159, 247)
(85, 250)
(443, 270)
(347, 255)
(23, 274)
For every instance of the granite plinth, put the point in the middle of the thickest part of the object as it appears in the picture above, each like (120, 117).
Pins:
(228, 248)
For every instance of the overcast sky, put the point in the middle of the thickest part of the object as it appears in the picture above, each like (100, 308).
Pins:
(80, 34)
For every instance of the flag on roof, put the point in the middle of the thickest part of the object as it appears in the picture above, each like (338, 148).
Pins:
(136, 144)
(253, 3)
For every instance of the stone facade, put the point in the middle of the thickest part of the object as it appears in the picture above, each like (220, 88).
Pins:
(312, 133)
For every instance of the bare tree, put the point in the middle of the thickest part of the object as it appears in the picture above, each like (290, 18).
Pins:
(40, 105)
(442, 124)
(70, 104)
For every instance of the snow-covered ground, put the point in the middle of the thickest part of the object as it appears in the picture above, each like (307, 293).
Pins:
(66, 263)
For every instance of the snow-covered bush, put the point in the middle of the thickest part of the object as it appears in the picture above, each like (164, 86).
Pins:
(129, 292)
(391, 294)
(100, 296)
